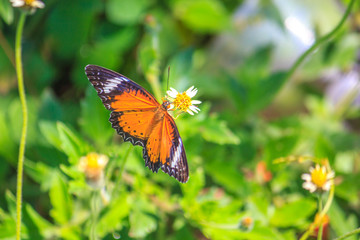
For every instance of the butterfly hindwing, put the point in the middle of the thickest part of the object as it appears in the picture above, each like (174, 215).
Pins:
(141, 120)
(164, 149)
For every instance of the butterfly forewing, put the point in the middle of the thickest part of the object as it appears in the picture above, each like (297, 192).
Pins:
(141, 120)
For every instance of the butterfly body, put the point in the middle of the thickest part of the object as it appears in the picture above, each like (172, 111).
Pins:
(138, 117)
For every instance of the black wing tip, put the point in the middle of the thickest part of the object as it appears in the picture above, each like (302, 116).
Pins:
(180, 175)
(179, 172)
(90, 68)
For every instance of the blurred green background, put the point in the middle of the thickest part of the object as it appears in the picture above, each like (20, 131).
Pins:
(237, 53)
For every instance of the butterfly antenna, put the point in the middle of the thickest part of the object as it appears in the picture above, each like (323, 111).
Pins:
(168, 79)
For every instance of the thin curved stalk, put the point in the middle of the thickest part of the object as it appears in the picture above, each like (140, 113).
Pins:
(19, 72)
(320, 41)
(356, 231)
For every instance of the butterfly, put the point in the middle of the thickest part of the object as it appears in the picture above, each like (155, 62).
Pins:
(139, 118)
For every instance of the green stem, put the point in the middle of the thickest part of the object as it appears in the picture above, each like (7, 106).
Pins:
(346, 101)
(320, 231)
(19, 71)
(321, 213)
(122, 166)
(349, 234)
(94, 213)
(320, 41)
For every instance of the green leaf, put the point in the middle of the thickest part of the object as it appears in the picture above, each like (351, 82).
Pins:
(293, 214)
(141, 224)
(195, 183)
(214, 130)
(280, 147)
(36, 225)
(50, 108)
(71, 143)
(11, 203)
(61, 201)
(324, 149)
(110, 218)
(8, 147)
(94, 120)
(69, 30)
(7, 226)
(340, 223)
(6, 11)
(232, 180)
(132, 12)
(265, 90)
(205, 16)
(348, 188)
(107, 51)
(50, 132)
(41, 173)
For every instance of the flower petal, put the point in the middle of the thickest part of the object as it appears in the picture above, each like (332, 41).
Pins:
(192, 93)
(172, 93)
(309, 186)
(327, 185)
(190, 112)
(306, 177)
(330, 175)
(189, 89)
(18, 3)
(194, 109)
(195, 102)
(38, 4)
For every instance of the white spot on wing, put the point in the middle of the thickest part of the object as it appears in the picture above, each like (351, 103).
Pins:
(112, 84)
(177, 154)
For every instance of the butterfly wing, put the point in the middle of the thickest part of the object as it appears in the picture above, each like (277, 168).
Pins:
(164, 148)
(132, 107)
(139, 119)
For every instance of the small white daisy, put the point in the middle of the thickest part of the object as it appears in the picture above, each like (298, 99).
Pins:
(319, 178)
(93, 166)
(31, 5)
(182, 101)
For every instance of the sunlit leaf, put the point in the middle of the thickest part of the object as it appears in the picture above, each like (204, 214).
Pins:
(132, 12)
(205, 16)
(111, 216)
(341, 223)
(71, 143)
(6, 11)
(141, 224)
(94, 118)
(61, 201)
(293, 213)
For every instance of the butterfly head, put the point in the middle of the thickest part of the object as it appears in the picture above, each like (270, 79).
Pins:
(166, 104)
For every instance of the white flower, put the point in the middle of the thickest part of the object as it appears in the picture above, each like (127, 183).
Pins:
(182, 101)
(31, 5)
(93, 166)
(319, 178)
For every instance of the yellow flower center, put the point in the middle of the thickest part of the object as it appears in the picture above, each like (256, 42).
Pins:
(247, 221)
(29, 2)
(182, 101)
(92, 160)
(318, 177)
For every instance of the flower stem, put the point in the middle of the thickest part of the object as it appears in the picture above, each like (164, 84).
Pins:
(94, 213)
(321, 213)
(320, 231)
(21, 88)
(320, 41)
(122, 166)
(348, 234)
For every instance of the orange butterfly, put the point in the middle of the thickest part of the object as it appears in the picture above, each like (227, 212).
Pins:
(141, 120)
